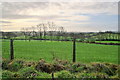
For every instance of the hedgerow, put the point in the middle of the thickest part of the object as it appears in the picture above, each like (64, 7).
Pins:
(60, 69)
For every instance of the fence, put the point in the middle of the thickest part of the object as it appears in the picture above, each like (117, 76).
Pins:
(63, 50)
(40, 49)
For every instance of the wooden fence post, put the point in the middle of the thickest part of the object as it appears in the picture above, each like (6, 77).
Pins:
(52, 75)
(11, 50)
(74, 50)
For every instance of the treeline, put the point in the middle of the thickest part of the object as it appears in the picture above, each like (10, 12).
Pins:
(43, 31)
(51, 31)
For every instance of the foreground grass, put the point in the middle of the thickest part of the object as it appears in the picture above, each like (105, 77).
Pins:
(60, 68)
(85, 52)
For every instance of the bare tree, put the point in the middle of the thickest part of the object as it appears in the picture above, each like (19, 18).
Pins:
(24, 31)
(61, 29)
(41, 30)
(65, 35)
(33, 31)
(51, 29)
(44, 30)
(29, 33)
(39, 27)
(58, 34)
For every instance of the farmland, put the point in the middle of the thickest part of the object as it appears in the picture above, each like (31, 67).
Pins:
(85, 52)
(108, 41)
(40, 54)
(59, 40)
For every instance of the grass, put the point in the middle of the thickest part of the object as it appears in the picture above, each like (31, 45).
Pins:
(85, 52)
(108, 41)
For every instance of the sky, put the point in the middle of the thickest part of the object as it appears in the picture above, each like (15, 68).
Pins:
(73, 16)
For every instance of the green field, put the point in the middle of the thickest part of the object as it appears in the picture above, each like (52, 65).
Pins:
(85, 52)
(108, 41)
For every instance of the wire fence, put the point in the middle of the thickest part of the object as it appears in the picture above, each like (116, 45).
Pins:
(34, 50)
(38, 49)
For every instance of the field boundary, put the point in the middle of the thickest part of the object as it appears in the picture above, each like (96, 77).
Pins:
(69, 40)
(103, 43)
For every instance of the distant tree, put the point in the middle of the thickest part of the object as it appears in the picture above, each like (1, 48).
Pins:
(3, 34)
(61, 30)
(81, 36)
(24, 31)
(44, 30)
(10, 35)
(33, 31)
(51, 29)
(39, 27)
(65, 35)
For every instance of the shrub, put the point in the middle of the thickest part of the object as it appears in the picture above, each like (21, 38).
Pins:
(16, 75)
(5, 63)
(115, 77)
(58, 67)
(43, 75)
(44, 67)
(90, 40)
(99, 67)
(81, 40)
(62, 62)
(92, 75)
(7, 74)
(15, 65)
(29, 64)
(28, 72)
(47, 67)
(113, 67)
(118, 71)
(77, 67)
(64, 74)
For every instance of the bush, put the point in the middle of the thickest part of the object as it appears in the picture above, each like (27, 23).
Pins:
(28, 72)
(115, 77)
(29, 64)
(113, 67)
(90, 40)
(15, 65)
(7, 74)
(49, 68)
(92, 75)
(81, 40)
(44, 67)
(43, 75)
(5, 63)
(64, 74)
(16, 75)
(77, 67)
(58, 67)
(65, 68)
(99, 67)
(62, 62)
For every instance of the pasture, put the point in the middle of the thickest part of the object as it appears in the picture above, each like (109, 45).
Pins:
(85, 52)
(108, 41)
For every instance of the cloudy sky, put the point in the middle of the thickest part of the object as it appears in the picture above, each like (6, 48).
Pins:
(73, 16)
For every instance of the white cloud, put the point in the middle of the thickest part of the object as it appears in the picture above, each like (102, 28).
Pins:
(63, 13)
(65, 9)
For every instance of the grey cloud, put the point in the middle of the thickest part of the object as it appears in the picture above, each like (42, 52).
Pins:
(5, 22)
(11, 9)
(23, 5)
(97, 7)
(31, 16)
(5, 25)
(13, 16)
